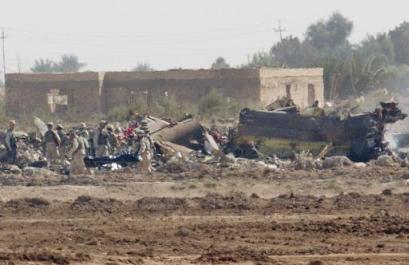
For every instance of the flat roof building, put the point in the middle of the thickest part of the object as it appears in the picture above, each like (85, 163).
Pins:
(88, 93)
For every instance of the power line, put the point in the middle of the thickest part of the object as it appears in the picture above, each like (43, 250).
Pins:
(159, 40)
(55, 47)
(135, 36)
(51, 44)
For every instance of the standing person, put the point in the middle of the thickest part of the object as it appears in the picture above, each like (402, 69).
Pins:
(83, 134)
(51, 144)
(133, 141)
(11, 143)
(64, 141)
(112, 140)
(145, 150)
(77, 154)
(317, 110)
(83, 130)
(101, 140)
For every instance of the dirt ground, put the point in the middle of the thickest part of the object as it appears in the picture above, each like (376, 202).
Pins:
(208, 215)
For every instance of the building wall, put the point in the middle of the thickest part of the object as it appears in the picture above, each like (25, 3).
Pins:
(28, 94)
(89, 93)
(185, 86)
(296, 83)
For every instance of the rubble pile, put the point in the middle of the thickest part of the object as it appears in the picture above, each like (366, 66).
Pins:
(30, 152)
(336, 161)
(278, 139)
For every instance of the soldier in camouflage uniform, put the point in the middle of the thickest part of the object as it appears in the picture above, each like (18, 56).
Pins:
(100, 140)
(51, 144)
(77, 154)
(64, 144)
(11, 143)
(145, 149)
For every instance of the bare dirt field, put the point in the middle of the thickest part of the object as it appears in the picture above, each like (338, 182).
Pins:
(208, 215)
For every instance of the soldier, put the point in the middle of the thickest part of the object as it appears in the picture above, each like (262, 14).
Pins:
(133, 141)
(83, 130)
(112, 140)
(11, 143)
(77, 154)
(145, 150)
(64, 141)
(100, 140)
(51, 144)
(83, 134)
(316, 110)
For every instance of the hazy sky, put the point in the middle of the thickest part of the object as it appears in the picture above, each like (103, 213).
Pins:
(117, 34)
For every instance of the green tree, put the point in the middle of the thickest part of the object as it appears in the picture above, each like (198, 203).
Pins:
(353, 75)
(333, 75)
(220, 63)
(261, 59)
(380, 46)
(291, 52)
(365, 75)
(400, 39)
(69, 63)
(330, 33)
(143, 67)
(399, 77)
(43, 66)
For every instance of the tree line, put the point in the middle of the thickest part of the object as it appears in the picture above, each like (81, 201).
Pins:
(378, 61)
(67, 63)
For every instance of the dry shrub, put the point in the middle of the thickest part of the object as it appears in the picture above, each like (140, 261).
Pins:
(215, 105)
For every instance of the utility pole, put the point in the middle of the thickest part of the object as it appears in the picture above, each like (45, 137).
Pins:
(280, 30)
(4, 54)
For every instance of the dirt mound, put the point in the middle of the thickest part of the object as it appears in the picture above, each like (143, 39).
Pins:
(155, 204)
(12, 180)
(296, 203)
(80, 180)
(183, 232)
(240, 254)
(387, 192)
(91, 204)
(43, 256)
(336, 162)
(362, 226)
(233, 201)
(25, 203)
(315, 262)
(355, 200)
(175, 168)
(388, 224)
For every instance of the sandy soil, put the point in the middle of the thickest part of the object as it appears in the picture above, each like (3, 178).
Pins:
(208, 216)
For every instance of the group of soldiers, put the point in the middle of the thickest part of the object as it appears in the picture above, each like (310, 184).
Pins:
(136, 138)
(58, 145)
(103, 141)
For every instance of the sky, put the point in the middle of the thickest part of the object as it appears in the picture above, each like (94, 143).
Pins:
(116, 35)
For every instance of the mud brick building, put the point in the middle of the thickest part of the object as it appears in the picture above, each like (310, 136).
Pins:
(38, 94)
(91, 92)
